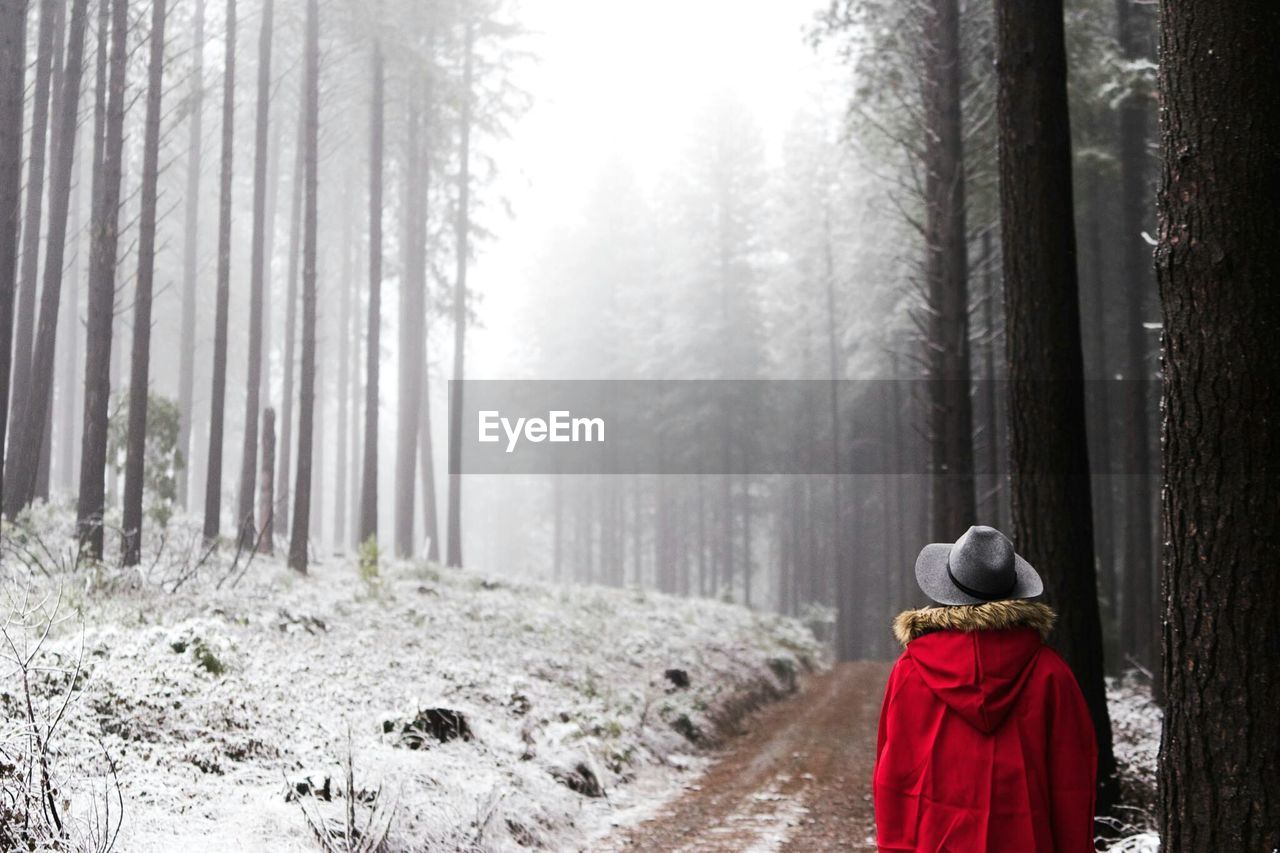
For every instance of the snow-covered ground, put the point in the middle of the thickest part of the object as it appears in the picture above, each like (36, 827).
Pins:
(1135, 728)
(217, 702)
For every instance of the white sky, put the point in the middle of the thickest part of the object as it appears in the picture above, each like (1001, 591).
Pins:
(619, 79)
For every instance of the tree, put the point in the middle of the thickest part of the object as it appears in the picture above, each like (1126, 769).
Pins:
(1049, 459)
(284, 447)
(257, 267)
(218, 395)
(131, 550)
(462, 234)
(49, 30)
(13, 69)
(190, 245)
(1216, 264)
(25, 444)
(1139, 596)
(946, 273)
(103, 237)
(412, 319)
(369, 474)
(301, 530)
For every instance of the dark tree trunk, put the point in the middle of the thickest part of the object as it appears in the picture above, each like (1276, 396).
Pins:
(284, 466)
(1049, 458)
(218, 394)
(946, 280)
(103, 238)
(1138, 615)
(1095, 345)
(301, 530)
(257, 269)
(1216, 264)
(266, 482)
(31, 430)
(135, 456)
(49, 29)
(990, 389)
(454, 556)
(369, 473)
(13, 70)
(190, 256)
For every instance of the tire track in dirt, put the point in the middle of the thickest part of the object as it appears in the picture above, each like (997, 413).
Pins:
(799, 779)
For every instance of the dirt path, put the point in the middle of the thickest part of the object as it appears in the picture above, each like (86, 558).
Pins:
(799, 779)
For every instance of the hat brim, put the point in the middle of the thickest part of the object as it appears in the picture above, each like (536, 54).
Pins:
(935, 582)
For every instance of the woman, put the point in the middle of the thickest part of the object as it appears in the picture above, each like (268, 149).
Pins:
(985, 742)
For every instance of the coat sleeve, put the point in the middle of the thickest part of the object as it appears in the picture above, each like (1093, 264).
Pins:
(895, 814)
(1073, 766)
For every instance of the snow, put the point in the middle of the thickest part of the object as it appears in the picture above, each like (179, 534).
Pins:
(214, 702)
(1135, 728)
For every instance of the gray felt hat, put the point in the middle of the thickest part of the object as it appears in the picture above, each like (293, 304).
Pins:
(981, 566)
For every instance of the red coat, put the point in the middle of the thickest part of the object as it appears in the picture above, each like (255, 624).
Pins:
(985, 743)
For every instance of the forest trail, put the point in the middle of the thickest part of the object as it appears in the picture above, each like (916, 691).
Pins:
(798, 779)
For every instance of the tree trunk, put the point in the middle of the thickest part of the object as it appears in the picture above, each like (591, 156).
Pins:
(190, 256)
(411, 323)
(301, 531)
(1052, 512)
(427, 463)
(31, 430)
(454, 557)
(218, 394)
(284, 448)
(13, 70)
(1138, 615)
(103, 238)
(266, 482)
(1216, 265)
(369, 474)
(49, 29)
(136, 439)
(344, 376)
(257, 268)
(71, 363)
(946, 279)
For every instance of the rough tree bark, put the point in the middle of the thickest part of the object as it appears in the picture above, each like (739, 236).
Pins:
(49, 29)
(247, 529)
(30, 431)
(218, 394)
(136, 439)
(369, 474)
(13, 70)
(301, 530)
(946, 280)
(463, 228)
(103, 238)
(1216, 265)
(190, 256)
(1049, 458)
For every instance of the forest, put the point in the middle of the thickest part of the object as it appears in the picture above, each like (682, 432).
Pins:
(834, 280)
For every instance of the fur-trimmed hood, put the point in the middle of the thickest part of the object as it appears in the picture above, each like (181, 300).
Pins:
(992, 616)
